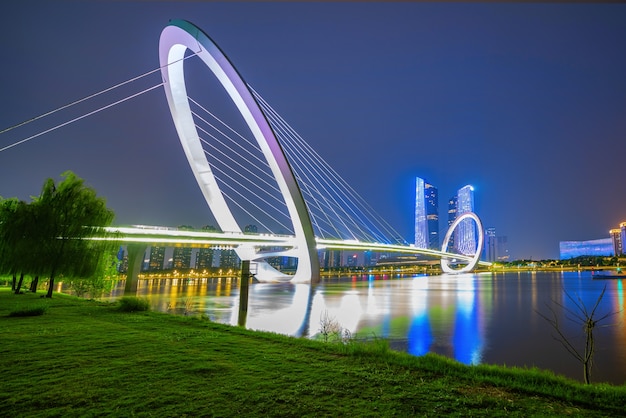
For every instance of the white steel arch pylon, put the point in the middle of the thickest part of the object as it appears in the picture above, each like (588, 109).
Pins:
(445, 265)
(176, 38)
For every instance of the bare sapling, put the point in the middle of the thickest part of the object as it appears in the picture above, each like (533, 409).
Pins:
(588, 321)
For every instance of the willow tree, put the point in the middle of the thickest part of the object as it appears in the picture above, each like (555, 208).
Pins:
(18, 233)
(10, 237)
(67, 215)
(103, 278)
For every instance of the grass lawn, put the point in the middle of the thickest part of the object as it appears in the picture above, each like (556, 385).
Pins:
(87, 358)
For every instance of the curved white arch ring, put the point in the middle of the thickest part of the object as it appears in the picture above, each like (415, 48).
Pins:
(445, 266)
(176, 38)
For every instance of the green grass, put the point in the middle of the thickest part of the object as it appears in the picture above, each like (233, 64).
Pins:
(87, 358)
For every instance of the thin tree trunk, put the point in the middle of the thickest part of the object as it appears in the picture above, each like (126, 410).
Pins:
(589, 347)
(57, 259)
(13, 283)
(33, 284)
(51, 284)
(19, 284)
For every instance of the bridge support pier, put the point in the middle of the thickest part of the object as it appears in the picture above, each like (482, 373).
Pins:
(244, 285)
(136, 253)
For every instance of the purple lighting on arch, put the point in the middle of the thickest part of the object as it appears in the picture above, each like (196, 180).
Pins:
(176, 38)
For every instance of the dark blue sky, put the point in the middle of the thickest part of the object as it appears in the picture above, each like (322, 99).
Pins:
(525, 101)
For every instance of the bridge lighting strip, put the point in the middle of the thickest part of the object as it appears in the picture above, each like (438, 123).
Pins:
(143, 234)
(156, 235)
(379, 247)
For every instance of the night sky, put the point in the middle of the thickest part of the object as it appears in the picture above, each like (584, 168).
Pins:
(525, 101)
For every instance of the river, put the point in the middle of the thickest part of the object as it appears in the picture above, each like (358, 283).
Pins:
(491, 318)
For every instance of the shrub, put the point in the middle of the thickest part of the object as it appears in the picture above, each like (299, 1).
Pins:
(30, 311)
(332, 331)
(377, 347)
(133, 304)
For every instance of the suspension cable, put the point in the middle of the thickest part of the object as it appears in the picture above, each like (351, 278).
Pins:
(79, 117)
(318, 165)
(247, 199)
(91, 96)
(333, 181)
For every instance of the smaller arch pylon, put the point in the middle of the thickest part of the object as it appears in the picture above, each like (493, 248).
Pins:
(445, 265)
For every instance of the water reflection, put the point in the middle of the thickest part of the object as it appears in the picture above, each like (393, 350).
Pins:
(471, 318)
(467, 327)
(280, 308)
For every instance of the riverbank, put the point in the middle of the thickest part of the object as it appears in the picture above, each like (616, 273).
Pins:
(88, 358)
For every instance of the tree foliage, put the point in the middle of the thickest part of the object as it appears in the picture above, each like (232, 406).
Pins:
(103, 279)
(16, 229)
(49, 236)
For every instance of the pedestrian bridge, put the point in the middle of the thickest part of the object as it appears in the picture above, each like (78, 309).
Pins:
(138, 238)
(257, 173)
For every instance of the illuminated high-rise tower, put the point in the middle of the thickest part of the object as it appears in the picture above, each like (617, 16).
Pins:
(229, 259)
(204, 258)
(157, 256)
(426, 215)
(618, 236)
(490, 244)
(452, 203)
(465, 239)
(181, 258)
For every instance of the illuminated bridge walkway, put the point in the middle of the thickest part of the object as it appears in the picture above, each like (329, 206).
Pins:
(137, 239)
(255, 171)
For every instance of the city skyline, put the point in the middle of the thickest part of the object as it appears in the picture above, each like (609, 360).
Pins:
(523, 101)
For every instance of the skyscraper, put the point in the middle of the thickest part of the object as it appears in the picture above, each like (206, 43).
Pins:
(490, 244)
(432, 216)
(426, 215)
(204, 258)
(452, 203)
(330, 258)
(229, 259)
(618, 235)
(495, 246)
(182, 258)
(622, 227)
(466, 231)
(157, 256)
(464, 237)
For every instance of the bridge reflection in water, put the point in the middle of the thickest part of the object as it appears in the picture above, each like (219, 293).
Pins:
(473, 318)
